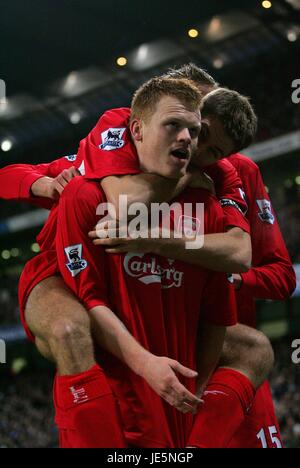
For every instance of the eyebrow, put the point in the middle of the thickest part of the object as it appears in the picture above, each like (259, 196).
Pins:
(182, 120)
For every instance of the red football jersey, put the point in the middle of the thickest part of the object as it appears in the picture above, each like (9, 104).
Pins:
(161, 302)
(272, 275)
(16, 180)
(113, 153)
(109, 150)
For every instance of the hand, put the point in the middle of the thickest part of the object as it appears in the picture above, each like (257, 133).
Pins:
(159, 372)
(115, 239)
(237, 281)
(48, 187)
(201, 180)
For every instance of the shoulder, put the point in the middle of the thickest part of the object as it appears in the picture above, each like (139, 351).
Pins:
(81, 189)
(243, 163)
(223, 173)
(117, 116)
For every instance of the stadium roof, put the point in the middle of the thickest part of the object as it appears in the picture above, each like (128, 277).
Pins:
(43, 41)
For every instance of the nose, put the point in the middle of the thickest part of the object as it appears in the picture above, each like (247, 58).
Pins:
(184, 136)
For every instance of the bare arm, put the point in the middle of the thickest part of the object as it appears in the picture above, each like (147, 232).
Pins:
(159, 372)
(227, 252)
(143, 188)
(48, 187)
(151, 188)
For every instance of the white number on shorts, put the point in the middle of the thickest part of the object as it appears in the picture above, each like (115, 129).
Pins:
(273, 432)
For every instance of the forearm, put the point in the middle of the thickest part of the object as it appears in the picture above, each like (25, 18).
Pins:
(142, 188)
(16, 181)
(209, 348)
(113, 336)
(275, 281)
(227, 252)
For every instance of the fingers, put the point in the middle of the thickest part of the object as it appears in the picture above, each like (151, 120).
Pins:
(74, 171)
(183, 400)
(117, 250)
(184, 394)
(108, 242)
(61, 181)
(58, 187)
(183, 370)
(178, 395)
(109, 229)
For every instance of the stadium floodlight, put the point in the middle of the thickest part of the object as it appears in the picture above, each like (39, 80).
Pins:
(75, 117)
(193, 33)
(122, 61)
(267, 4)
(6, 255)
(153, 54)
(292, 36)
(6, 145)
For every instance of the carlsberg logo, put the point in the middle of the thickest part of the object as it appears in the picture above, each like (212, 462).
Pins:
(147, 270)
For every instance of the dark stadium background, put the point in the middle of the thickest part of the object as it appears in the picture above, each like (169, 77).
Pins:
(58, 60)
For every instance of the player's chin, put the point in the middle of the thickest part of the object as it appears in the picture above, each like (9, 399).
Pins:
(175, 171)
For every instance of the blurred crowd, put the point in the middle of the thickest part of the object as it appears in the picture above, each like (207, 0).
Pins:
(9, 306)
(286, 203)
(285, 384)
(27, 418)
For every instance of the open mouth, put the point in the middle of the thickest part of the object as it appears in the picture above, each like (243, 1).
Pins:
(180, 154)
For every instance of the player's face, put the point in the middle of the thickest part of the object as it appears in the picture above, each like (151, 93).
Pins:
(169, 137)
(213, 143)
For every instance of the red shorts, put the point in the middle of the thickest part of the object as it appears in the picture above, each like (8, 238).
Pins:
(260, 428)
(36, 270)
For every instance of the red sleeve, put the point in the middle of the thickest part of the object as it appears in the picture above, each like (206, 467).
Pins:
(16, 180)
(272, 275)
(81, 263)
(230, 192)
(108, 149)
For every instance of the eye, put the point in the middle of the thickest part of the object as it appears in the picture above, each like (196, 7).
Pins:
(173, 125)
(194, 132)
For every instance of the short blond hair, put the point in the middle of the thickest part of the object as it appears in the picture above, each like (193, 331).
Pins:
(146, 98)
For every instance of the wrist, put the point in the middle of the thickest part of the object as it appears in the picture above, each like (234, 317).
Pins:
(40, 188)
(142, 361)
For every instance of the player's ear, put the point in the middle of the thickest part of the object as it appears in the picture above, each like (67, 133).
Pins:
(136, 129)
